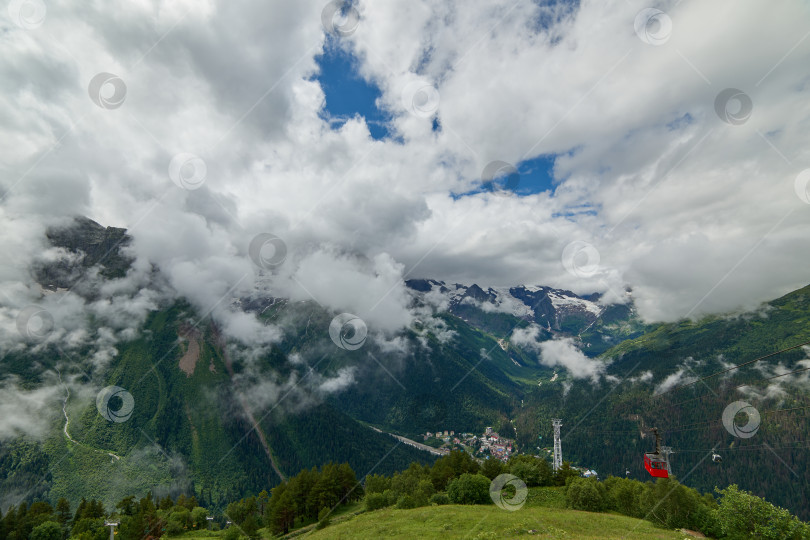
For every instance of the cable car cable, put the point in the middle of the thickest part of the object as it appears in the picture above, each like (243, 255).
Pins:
(741, 385)
(689, 427)
(763, 446)
(738, 366)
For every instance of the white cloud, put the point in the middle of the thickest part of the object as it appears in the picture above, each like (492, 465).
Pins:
(27, 412)
(559, 352)
(678, 378)
(565, 353)
(342, 380)
(688, 211)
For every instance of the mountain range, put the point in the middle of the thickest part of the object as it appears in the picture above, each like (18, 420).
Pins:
(223, 418)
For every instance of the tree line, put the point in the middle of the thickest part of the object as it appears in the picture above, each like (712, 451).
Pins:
(138, 519)
(314, 494)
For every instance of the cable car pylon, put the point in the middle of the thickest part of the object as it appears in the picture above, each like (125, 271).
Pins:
(557, 462)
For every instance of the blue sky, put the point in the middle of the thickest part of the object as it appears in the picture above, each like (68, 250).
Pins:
(348, 95)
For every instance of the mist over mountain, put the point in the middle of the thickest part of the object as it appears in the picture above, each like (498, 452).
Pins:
(222, 404)
(242, 240)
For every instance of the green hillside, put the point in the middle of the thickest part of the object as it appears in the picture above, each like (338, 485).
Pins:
(196, 429)
(485, 522)
(604, 425)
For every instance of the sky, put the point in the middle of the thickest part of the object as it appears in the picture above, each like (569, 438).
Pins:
(592, 146)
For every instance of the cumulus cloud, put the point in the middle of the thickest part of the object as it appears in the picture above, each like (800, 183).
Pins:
(565, 353)
(526, 337)
(27, 412)
(559, 353)
(688, 211)
(672, 380)
(343, 379)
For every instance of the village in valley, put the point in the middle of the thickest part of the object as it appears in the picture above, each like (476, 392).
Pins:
(488, 444)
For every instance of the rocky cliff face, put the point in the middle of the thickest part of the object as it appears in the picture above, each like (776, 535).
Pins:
(85, 244)
(548, 307)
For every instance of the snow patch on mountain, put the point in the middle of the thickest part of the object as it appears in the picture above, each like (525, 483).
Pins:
(559, 301)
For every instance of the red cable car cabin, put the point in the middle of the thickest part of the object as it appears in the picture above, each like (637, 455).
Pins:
(654, 462)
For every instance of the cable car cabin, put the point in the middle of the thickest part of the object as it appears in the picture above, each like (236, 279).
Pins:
(654, 462)
(656, 465)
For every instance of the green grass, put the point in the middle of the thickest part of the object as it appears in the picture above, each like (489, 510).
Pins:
(195, 535)
(477, 522)
(543, 516)
(548, 497)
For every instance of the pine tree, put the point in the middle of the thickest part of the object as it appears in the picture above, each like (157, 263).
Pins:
(166, 503)
(63, 511)
(80, 510)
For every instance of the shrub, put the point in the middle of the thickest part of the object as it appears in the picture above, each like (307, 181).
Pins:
(469, 489)
(375, 501)
(198, 516)
(390, 497)
(323, 518)
(174, 526)
(425, 488)
(440, 499)
(232, 533)
(744, 515)
(564, 475)
(376, 483)
(405, 502)
(492, 468)
(49, 530)
(623, 495)
(534, 471)
(670, 504)
(586, 494)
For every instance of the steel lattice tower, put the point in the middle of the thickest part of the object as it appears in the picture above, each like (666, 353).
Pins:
(557, 422)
